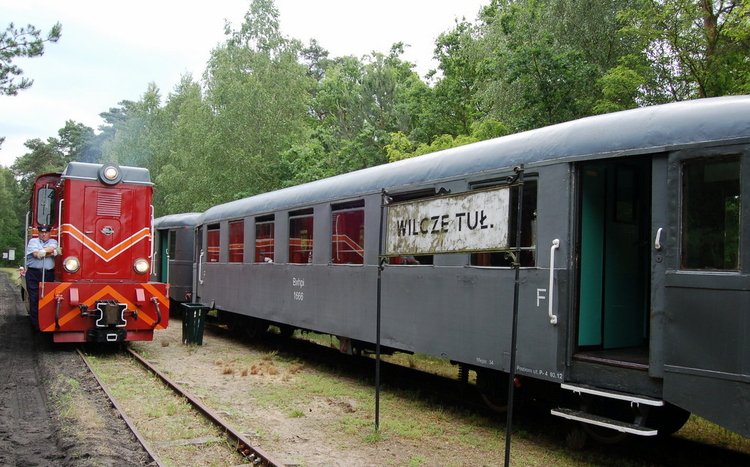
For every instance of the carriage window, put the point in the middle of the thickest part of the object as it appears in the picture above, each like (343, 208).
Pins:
(45, 206)
(528, 232)
(711, 214)
(416, 259)
(301, 236)
(212, 250)
(171, 242)
(264, 231)
(348, 234)
(236, 241)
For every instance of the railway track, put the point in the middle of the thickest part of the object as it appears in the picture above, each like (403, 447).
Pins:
(125, 418)
(298, 443)
(251, 454)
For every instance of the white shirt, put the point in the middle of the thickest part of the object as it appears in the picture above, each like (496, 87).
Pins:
(35, 244)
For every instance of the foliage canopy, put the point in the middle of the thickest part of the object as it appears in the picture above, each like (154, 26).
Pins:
(270, 112)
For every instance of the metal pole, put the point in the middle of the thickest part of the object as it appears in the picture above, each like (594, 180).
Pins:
(516, 286)
(383, 203)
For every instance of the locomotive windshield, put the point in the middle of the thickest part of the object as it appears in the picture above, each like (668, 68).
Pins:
(45, 206)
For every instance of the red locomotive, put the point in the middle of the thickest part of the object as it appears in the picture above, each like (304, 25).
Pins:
(102, 218)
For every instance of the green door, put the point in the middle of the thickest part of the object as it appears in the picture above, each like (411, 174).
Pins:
(614, 263)
(164, 255)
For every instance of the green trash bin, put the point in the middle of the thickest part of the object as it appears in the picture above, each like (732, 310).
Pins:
(193, 321)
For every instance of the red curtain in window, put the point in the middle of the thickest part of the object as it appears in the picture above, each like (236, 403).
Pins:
(236, 241)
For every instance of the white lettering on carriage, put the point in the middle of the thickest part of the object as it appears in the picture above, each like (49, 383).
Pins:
(472, 221)
(540, 295)
(298, 295)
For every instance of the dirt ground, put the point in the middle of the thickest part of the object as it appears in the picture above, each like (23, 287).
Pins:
(305, 414)
(301, 415)
(51, 410)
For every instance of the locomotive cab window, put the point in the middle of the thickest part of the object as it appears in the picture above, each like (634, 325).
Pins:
(528, 231)
(236, 241)
(212, 249)
(264, 232)
(45, 206)
(711, 214)
(301, 236)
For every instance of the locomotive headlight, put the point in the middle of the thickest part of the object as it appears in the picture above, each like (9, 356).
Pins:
(110, 173)
(141, 266)
(71, 264)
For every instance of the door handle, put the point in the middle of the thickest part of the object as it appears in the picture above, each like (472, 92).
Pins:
(657, 240)
(200, 268)
(555, 246)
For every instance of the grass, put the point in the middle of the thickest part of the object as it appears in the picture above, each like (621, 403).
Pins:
(304, 400)
(13, 274)
(74, 407)
(296, 413)
(704, 431)
(422, 362)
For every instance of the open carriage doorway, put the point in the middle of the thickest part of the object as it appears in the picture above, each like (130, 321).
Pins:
(614, 263)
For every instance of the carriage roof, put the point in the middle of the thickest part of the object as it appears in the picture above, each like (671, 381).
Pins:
(188, 219)
(627, 133)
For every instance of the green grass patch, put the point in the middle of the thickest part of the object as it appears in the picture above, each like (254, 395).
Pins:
(296, 413)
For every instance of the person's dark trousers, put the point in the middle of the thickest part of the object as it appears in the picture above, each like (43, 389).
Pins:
(33, 280)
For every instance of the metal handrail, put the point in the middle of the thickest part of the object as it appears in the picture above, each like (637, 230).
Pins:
(555, 246)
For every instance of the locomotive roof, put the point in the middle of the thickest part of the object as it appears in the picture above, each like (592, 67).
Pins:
(88, 171)
(187, 219)
(631, 132)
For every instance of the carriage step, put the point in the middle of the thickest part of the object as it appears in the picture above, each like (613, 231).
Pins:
(582, 389)
(605, 422)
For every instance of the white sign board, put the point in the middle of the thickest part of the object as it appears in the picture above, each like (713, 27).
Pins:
(473, 221)
(12, 254)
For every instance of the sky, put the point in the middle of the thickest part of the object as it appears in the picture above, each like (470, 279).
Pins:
(111, 51)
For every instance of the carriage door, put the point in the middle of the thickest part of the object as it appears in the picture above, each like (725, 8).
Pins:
(200, 261)
(614, 276)
(707, 284)
(163, 256)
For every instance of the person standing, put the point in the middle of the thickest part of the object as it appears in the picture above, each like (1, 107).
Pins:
(40, 263)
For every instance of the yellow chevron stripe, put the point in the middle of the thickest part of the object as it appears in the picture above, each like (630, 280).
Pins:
(107, 290)
(49, 296)
(106, 255)
(156, 293)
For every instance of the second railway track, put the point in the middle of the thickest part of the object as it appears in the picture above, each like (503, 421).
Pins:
(245, 452)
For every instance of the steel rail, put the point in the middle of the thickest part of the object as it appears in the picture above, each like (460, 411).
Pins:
(120, 412)
(243, 446)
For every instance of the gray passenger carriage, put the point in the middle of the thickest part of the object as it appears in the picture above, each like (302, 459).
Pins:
(174, 259)
(635, 264)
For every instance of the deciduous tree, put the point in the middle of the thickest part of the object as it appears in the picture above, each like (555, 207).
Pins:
(11, 224)
(687, 50)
